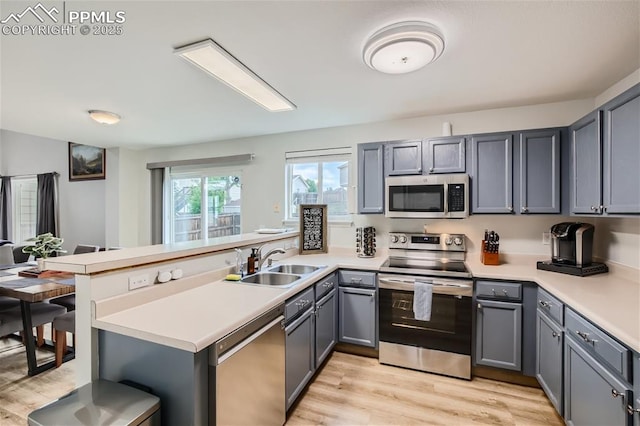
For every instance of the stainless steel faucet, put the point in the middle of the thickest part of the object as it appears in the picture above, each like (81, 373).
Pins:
(262, 258)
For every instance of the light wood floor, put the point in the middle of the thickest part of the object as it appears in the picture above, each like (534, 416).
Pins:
(350, 390)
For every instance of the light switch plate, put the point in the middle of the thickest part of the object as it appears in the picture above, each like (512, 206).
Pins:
(546, 238)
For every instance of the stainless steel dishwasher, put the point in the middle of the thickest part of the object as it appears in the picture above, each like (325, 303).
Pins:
(247, 373)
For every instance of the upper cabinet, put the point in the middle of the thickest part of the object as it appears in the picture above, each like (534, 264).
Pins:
(444, 155)
(539, 164)
(403, 158)
(371, 178)
(492, 173)
(605, 153)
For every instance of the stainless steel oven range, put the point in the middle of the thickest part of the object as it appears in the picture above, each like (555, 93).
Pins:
(425, 314)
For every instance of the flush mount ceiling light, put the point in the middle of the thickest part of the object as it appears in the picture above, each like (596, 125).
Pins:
(104, 117)
(403, 47)
(214, 60)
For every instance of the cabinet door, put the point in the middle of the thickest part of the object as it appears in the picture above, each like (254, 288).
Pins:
(499, 334)
(404, 158)
(621, 156)
(370, 178)
(593, 395)
(357, 319)
(549, 338)
(444, 155)
(326, 326)
(539, 172)
(635, 405)
(492, 173)
(299, 355)
(586, 160)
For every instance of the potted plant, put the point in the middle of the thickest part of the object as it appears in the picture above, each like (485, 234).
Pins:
(44, 245)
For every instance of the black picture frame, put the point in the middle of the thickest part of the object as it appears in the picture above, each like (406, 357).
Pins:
(86, 162)
(313, 228)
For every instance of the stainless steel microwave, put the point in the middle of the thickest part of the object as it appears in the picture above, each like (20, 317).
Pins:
(427, 196)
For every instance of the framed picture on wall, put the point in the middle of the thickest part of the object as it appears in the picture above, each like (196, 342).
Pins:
(86, 162)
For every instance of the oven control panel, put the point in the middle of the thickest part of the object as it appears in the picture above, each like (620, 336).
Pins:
(439, 242)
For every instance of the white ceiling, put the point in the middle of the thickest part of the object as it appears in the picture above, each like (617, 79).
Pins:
(497, 54)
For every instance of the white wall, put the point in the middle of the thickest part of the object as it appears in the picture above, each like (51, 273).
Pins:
(82, 204)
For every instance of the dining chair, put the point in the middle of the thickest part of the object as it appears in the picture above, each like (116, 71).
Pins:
(85, 248)
(6, 255)
(62, 324)
(41, 313)
(19, 256)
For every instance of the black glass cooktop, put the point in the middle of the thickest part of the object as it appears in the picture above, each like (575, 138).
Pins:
(426, 266)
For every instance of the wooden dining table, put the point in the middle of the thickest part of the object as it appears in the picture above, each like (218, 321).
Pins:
(33, 290)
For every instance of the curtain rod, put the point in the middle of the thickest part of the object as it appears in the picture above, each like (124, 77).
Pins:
(31, 174)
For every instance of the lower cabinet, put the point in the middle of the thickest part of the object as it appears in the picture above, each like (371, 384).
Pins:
(299, 354)
(499, 334)
(326, 326)
(549, 359)
(357, 317)
(634, 406)
(593, 395)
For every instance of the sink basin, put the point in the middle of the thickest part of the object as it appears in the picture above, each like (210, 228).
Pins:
(269, 278)
(294, 269)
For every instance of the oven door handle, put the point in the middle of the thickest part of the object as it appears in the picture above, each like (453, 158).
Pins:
(396, 284)
(439, 286)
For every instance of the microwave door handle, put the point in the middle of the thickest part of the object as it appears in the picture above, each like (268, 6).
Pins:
(445, 210)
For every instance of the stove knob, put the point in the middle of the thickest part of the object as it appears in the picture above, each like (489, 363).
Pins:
(403, 239)
(457, 241)
(394, 238)
(448, 241)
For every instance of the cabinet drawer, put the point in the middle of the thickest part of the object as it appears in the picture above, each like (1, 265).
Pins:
(596, 341)
(325, 285)
(357, 278)
(298, 304)
(499, 290)
(551, 306)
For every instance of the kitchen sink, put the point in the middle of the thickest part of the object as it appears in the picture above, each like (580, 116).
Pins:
(271, 278)
(294, 269)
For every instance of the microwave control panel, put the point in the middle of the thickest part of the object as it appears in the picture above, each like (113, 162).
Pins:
(456, 197)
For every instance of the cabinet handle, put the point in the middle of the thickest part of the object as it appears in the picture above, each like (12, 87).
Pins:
(585, 336)
(632, 411)
(554, 334)
(593, 208)
(431, 169)
(605, 209)
(479, 306)
(327, 285)
(615, 394)
(505, 292)
(419, 169)
(510, 208)
(544, 304)
(493, 290)
(600, 208)
(525, 210)
(356, 280)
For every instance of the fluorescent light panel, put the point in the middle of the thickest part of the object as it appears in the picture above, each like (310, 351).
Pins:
(213, 59)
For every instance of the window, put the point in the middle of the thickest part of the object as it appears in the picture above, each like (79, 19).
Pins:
(319, 177)
(24, 193)
(190, 216)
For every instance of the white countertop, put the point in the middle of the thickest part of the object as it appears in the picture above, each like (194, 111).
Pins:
(194, 319)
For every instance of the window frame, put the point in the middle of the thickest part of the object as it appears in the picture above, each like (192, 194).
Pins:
(16, 208)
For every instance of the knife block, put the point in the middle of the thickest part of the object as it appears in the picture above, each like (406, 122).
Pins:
(488, 258)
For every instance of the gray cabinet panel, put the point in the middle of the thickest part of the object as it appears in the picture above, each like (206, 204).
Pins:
(589, 389)
(540, 171)
(549, 359)
(357, 319)
(499, 334)
(492, 173)
(299, 355)
(403, 158)
(586, 160)
(444, 155)
(635, 409)
(370, 178)
(326, 326)
(621, 154)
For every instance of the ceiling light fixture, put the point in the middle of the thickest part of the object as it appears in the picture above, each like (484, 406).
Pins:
(104, 117)
(403, 47)
(213, 59)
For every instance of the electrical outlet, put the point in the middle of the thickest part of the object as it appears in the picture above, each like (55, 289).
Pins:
(276, 208)
(138, 281)
(546, 238)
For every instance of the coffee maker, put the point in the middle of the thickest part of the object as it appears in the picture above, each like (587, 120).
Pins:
(571, 250)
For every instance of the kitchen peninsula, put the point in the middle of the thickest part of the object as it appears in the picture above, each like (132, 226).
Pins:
(179, 320)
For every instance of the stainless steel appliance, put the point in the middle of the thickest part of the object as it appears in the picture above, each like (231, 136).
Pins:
(441, 344)
(247, 373)
(428, 196)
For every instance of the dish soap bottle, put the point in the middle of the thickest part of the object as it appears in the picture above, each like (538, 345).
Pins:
(251, 261)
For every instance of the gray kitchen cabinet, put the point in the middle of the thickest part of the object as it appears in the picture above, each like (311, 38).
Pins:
(444, 155)
(593, 395)
(326, 326)
(634, 406)
(371, 178)
(549, 358)
(621, 153)
(357, 318)
(492, 173)
(299, 354)
(403, 158)
(499, 334)
(586, 163)
(539, 171)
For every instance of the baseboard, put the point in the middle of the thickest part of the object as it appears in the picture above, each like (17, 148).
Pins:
(505, 376)
(356, 350)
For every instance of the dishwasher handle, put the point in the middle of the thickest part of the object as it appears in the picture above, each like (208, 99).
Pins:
(235, 349)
